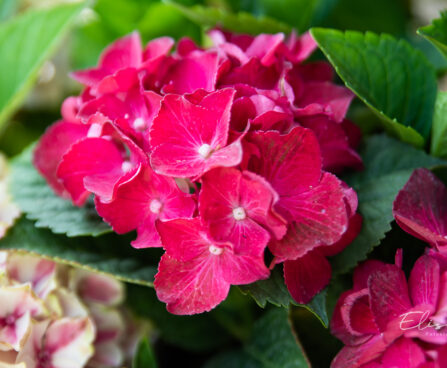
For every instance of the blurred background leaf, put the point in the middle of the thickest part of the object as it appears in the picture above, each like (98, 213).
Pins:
(437, 33)
(25, 43)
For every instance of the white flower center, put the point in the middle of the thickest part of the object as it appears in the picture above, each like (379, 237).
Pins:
(215, 250)
(126, 166)
(94, 131)
(155, 206)
(239, 213)
(139, 124)
(205, 150)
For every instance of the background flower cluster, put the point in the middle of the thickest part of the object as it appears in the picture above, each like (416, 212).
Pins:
(56, 316)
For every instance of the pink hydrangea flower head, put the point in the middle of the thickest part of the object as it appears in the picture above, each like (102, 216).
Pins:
(420, 208)
(196, 272)
(187, 139)
(238, 207)
(143, 200)
(245, 126)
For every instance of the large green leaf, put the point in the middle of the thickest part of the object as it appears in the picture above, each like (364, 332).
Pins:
(437, 32)
(237, 22)
(25, 43)
(196, 333)
(110, 254)
(388, 165)
(439, 132)
(395, 80)
(272, 345)
(38, 201)
(274, 291)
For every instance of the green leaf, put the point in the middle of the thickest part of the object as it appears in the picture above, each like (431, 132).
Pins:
(144, 357)
(111, 254)
(274, 291)
(388, 165)
(36, 199)
(272, 345)
(439, 132)
(237, 22)
(437, 33)
(391, 77)
(25, 43)
(197, 333)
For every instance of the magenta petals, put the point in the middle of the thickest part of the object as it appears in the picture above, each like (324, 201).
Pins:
(238, 207)
(187, 140)
(196, 272)
(141, 201)
(420, 208)
(56, 141)
(124, 53)
(301, 279)
(98, 160)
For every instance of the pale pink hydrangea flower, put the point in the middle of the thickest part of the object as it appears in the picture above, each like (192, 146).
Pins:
(52, 316)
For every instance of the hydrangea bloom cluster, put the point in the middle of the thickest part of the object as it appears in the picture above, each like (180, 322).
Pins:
(53, 316)
(213, 154)
(386, 320)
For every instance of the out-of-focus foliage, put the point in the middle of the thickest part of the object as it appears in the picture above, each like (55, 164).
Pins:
(439, 133)
(25, 43)
(151, 18)
(437, 33)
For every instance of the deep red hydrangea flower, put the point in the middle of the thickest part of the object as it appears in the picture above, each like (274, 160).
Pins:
(215, 155)
(387, 321)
